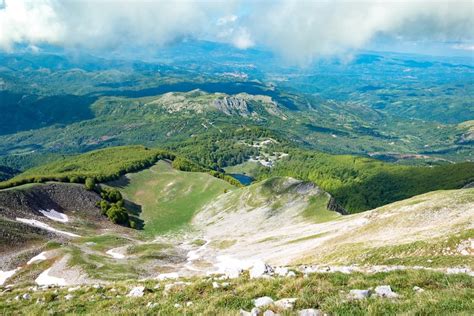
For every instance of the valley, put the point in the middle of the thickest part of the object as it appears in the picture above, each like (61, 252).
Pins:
(195, 225)
(262, 158)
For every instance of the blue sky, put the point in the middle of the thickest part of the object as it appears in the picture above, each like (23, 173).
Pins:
(300, 31)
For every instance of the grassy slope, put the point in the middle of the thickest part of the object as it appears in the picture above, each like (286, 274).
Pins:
(443, 295)
(414, 231)
(169, 198)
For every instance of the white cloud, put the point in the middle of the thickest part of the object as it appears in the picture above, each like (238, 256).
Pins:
(242, 39)
(104, 23)
(299, 30)
(308, 29)
(468, 47)
(29, 22)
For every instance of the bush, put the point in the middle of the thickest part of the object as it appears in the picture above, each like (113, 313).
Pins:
(90, 184)
(113, 195)
(104, 206)
(118, 215)
(74, 179)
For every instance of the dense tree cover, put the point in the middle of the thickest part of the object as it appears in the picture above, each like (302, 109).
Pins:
(105, 165)
(184, 164)
(360, 184)
(226, 147)
(6, 173)
(23, 162)
(102, 165)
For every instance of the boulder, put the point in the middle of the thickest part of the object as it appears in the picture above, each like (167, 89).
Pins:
(286, 303)
(269, 312)
(137, 291)
(359, 294)
(310, 312)
(385, 291)
(418, 289)
(260, 269)
(263, 301)
(281, 271)
(68, 297)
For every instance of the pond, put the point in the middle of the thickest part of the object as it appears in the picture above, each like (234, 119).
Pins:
(242, 178)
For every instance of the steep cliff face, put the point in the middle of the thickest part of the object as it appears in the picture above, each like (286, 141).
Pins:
(232, 106)
(250, 106)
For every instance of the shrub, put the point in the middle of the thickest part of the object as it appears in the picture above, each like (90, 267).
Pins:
(90, 184)
(118, 215)
(104, 206)
(74, 179)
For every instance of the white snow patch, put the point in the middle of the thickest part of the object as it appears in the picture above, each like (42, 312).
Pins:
(55, 215)
(45, 279)
(4, 275)
(39, 224)
(38, 258)
(115, 254)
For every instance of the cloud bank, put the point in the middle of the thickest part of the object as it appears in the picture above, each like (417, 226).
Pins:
(298, 30)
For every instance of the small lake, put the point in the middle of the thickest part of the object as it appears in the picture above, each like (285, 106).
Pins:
(242, 178)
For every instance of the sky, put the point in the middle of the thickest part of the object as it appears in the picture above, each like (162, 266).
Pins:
(299, 31)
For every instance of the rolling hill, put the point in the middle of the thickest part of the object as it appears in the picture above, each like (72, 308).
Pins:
(281, 221)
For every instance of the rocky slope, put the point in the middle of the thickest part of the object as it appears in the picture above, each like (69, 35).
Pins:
(242, 104)
(32, 215)
(280, 222)
(27, 201)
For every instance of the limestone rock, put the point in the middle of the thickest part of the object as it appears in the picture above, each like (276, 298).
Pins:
(260, 269)
(310, 312)
(385, 291)
(286, 303)
(359, 294)
(263, 301)
(137, 291)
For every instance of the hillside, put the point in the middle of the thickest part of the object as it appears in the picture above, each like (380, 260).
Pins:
(359, 184)
(102, 165)
(194, 223)
(356, 183)
(169, 198)
(120, 103)
(279, 221)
